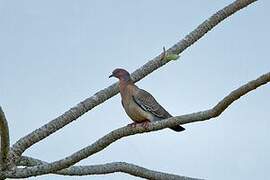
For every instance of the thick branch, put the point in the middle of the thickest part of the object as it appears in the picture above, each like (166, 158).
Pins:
(4, 133)
(102, 169)
(127, 131)
(22, 144)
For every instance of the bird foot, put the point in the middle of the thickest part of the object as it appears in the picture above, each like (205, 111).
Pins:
(144, 124)
(133, 125)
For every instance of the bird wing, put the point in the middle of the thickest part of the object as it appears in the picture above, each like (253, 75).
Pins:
(148, 103)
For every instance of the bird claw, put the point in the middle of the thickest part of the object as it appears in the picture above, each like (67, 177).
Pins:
(144, 124)
(133, 125)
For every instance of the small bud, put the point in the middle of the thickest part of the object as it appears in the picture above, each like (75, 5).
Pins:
(170, 57)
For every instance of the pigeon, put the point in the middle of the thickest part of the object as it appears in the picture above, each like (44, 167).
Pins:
(139, 104)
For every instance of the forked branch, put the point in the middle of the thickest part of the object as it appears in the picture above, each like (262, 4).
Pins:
(127, 131)
(64, 165)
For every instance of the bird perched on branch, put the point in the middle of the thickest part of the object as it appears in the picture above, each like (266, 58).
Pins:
(140, 105)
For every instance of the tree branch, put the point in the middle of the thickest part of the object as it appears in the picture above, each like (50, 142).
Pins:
(27, 141)
(154, 126)
(4, 133)
(101, 169)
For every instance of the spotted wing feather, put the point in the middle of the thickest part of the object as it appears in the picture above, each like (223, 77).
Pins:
(148, 103)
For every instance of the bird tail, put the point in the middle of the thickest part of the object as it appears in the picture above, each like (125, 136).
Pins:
(177, 128)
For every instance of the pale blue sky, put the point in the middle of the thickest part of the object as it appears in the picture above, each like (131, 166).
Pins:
(56, 53)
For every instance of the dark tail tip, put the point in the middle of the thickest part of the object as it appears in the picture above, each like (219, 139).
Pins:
(178, 128)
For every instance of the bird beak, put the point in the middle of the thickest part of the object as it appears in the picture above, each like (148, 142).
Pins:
(111, 76)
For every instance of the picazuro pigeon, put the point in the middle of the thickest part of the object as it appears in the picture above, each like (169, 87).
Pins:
(140, 105)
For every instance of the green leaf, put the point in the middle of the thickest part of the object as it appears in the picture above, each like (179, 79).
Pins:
(171, 57)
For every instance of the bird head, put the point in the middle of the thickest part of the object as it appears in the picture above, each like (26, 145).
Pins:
(121, 74)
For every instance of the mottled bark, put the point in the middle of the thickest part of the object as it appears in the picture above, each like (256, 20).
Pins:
(4, 133)
(105, 169)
